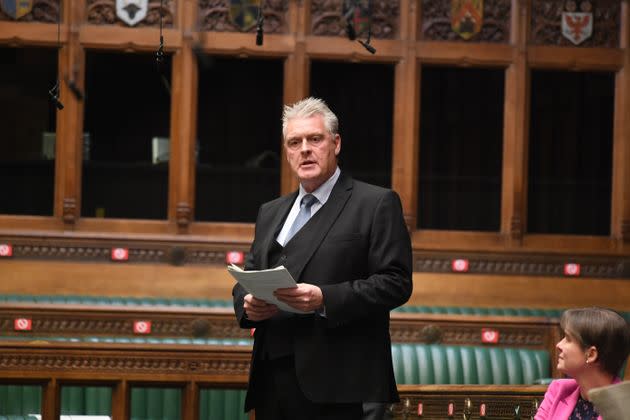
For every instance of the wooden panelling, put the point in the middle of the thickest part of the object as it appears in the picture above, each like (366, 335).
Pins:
(411, 48)
(514, 291)
(213, 282)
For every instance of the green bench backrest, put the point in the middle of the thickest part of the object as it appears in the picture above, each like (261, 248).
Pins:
(220, 303)
(438, 364)
(18, 401)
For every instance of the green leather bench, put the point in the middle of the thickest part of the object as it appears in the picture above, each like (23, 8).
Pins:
(22, 402)
(221, 303)
(18, 401)
(426, 364)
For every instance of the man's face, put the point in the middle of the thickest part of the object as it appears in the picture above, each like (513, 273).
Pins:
(311, 150)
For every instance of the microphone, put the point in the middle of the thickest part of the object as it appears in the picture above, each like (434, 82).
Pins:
(259, 33)
(76, 91)
(259, 24)
(366, 43)
(53, 94)
(350, 31)
(367, 46)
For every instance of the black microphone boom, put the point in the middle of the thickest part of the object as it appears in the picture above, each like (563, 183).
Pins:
(260, 20)
(53, 94)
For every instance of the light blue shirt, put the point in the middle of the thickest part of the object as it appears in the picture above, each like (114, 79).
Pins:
(322, 193)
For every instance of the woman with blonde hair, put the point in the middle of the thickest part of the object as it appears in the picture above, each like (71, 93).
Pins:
(595, 345)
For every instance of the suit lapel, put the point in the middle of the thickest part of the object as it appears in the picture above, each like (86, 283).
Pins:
(280, 215)
(304, 244)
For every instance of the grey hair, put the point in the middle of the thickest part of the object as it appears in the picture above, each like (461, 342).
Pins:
(307, 108)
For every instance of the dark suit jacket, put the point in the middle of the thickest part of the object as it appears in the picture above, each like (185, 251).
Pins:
(356, 248)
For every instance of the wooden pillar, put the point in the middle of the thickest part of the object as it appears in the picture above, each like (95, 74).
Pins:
(69, 138)
(516, 132)
(51, 401)
(296, 77)
(620, 218)
(183, 130)
(407, 115)
(190, 407)
(120, 401)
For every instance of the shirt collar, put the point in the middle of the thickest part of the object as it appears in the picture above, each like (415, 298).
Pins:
(323, 192)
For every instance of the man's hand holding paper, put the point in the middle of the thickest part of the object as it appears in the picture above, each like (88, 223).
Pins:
(262, 285)
(305, 297)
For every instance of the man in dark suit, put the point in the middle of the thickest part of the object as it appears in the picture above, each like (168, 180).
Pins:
(352, 262)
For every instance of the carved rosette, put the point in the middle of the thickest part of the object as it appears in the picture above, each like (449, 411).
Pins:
(436, 22)
(546, 24)
(103, 12)
(625, 230)
(44, 11)
(69, 210)
(214, 15)
(327, 18)
(184, 214)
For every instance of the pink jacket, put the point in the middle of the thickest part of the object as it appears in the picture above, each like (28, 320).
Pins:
(560, 400)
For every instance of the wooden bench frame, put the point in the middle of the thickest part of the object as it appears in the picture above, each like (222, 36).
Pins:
(191, 367)
(187, 322)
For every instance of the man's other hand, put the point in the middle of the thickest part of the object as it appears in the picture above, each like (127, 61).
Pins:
(258, 309)
(305, 297)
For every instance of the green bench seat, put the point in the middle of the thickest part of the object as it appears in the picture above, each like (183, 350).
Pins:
(222, 303)
(426, 364)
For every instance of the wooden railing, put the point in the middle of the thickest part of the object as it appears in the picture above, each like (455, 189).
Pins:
(169, 321)
(190, 368)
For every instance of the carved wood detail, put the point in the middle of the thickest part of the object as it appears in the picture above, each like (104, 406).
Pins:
(214, 15)
(103, 12)
(69, 210)
(460, 335)
(531, 266)
(436, 22)
(327, 18)
(182, 254)
(184, 214)
(625, 230)
(121, 362)
(44, 11)
(546, 25)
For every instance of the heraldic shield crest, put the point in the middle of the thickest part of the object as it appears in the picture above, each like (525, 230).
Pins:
(358, 11)
(466, 17)
(16, 8)
(131, 11)
(243, 13)
(577, 24)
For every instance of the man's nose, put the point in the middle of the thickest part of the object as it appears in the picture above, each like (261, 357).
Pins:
(305, 146)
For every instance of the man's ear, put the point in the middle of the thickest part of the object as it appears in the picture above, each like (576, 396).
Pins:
(337, 140)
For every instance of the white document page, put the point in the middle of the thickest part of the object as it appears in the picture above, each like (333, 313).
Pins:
(262, 284)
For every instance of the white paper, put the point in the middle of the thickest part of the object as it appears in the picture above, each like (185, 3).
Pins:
(262, 284)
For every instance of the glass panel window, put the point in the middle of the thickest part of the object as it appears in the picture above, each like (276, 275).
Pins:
(126, 140)
(461, 141)
(27, 143)
(222, 404)
(362, 97)
(152, 403)
(239, 133)
(570, 152)
(86, 401)
(20, 401)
